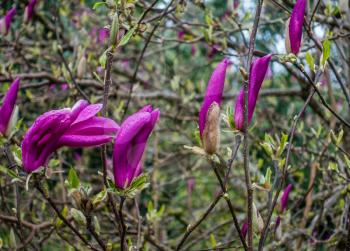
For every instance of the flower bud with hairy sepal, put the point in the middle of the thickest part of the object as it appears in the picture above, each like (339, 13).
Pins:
(211, 133)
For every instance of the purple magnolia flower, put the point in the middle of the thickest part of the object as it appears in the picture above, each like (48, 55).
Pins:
(258, 71)
(244, 229)
(5, 22)
(284, 198)
(103, 35)
(130, 145)
(191, 183)
(210, 112)
(75, 127)
(8, 107)
(29, 11)
(278, 222)
(294, 27)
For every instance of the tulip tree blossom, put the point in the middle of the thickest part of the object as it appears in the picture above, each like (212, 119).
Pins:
(75, 127)
(7, 109)
(257, 74)
(29, 11)
(294, 27)
(209, 113)
(5, 22)
(284, 197)
(130, 145)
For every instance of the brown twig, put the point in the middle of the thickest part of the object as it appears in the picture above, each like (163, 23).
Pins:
(245, 127)
(191, 228)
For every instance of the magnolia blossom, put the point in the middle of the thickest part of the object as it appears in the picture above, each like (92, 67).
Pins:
(191, 183)
(209, 115)
(29, 11)
(7, 109)
(257, 74)
(294, 27)
(284, 198)
(130, 145)
(244, 229)
(5, 22)
(103, 35)
(75, 127)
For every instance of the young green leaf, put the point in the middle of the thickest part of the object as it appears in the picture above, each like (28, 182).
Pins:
(326, 51)
(127, 37)
(310, 61)
(73, 179)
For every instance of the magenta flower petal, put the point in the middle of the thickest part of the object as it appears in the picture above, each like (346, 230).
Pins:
(94, 126)
(78, 107)
(244, 229)
(29, 11)
(296, 26)
(130, 145)
(5, 22)
(41, 139)
(8, 106)
(284, 197)
(257, 74)
(83, 140)
(103, 35)
(214, 92)
(76, 127)
(87, 113)
(239, 112)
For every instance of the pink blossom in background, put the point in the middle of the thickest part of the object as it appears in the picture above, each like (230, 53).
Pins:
(191, 183)
(103, 35)
(5, 22)
(29, 11)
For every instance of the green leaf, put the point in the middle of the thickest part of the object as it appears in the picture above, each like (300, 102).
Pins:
(127, 37)
(78, 216)
(326, 51)
(103, 59)
(340, 137)
(333, 166)
(268, 149)
(213, 241)
(97, 5)
(12, 243)
(97, 225)
(282, 145)
(98, 198)
(310, 61)
(64, 213)
(347, 161)
(268, 178)
(73, 179)
(11, 173)
(114, 30)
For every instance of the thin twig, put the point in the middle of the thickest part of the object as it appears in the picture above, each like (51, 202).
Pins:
(59, 214)
(191, 228)
(141, 56)
(245, 127)
(285, 167)
(123, 232)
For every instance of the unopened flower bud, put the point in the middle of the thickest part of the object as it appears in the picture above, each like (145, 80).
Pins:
(113, 35)
(81, 67)
(258, 222)
(294, 27)
(211, 133)
(287, 41)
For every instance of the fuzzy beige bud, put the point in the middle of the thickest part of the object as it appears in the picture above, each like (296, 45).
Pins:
(81, 67)
(211, 133)
(287, 41)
